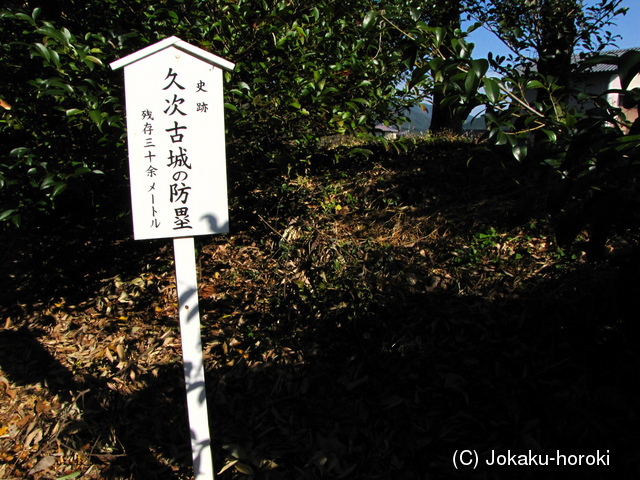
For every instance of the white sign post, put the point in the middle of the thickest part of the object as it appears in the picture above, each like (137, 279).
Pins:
(177, 167)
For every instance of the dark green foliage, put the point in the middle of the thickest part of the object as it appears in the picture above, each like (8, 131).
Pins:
(589, 150)
(580, 150)
(304, 71)
(66, 122)
(550, 29)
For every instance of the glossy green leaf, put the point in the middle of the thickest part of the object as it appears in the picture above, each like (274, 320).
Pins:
(519, 151)
(439, 33)
(93, 59)
(48, 181)
(491, 89)
(43, 51)
(6, 214)
(25, 17)
(97, 117)
(369, 19)
(534, 84)
(471, 83)
(480, 66)
(501, 138)
(551, 135)
(58, 188)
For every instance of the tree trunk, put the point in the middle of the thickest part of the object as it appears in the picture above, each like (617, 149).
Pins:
(443, 119)
(557, 37)
(446, 13)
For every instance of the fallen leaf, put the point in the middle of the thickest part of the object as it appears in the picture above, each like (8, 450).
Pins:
(42, 407)
(108, 354)
(228, 466)
(69, 476)
(44, 464)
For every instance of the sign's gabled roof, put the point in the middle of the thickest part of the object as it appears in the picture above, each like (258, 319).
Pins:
(179, 44)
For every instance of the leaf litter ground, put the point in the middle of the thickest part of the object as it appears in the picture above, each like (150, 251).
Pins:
(363, 320)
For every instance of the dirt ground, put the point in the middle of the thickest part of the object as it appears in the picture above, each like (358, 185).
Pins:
(362, 320)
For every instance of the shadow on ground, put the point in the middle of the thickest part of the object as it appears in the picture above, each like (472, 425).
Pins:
(327, 356)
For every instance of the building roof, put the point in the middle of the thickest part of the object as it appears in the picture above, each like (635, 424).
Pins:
(607, 67)
(387, 129)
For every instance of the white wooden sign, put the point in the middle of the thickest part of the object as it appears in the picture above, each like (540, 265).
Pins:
(177, 165)
(175, 133)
